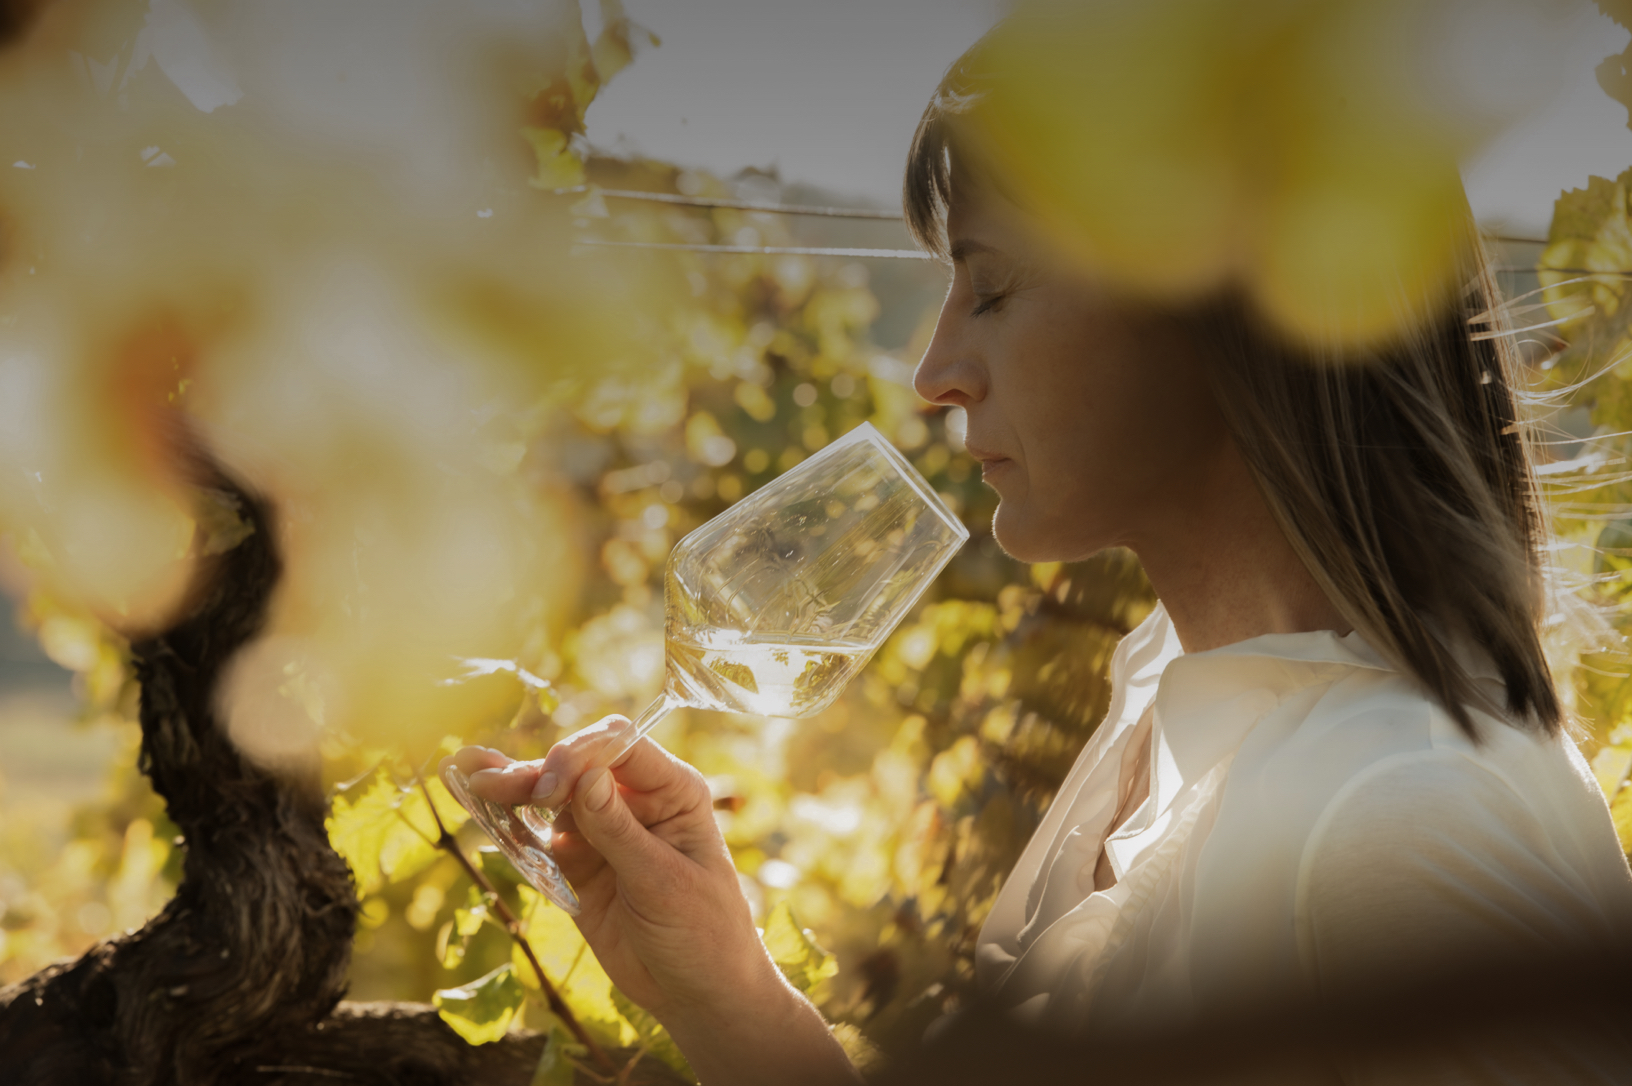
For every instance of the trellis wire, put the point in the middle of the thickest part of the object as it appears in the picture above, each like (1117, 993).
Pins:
(735, 205)
(760, 250)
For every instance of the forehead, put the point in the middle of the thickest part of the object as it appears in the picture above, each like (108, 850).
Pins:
(980, 217)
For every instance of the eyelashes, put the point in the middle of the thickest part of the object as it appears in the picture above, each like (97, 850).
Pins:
(989, 304)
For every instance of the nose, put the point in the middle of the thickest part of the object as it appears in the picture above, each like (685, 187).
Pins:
(950, 373)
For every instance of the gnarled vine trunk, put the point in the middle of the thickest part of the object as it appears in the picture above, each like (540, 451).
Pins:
(239, 979)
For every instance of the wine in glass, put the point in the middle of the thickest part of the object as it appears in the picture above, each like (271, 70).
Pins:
(771, 608)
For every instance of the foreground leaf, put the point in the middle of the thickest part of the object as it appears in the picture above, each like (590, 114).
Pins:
(358, 830)
(801, 959)
(652, 1036)
(571, 967)
(482, 1010)
(555, 1063)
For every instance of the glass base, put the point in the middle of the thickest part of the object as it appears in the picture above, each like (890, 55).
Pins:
(522, 834)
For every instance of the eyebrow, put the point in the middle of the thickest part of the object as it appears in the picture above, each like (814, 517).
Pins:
(963, 248)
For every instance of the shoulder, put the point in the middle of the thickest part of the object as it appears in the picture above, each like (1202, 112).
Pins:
(1443, 847)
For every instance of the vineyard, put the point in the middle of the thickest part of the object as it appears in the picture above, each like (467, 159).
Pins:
(471, 431)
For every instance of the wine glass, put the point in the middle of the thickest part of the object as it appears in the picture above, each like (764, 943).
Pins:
(771, 608)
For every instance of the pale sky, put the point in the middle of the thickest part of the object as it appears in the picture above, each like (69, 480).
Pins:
(829, 92)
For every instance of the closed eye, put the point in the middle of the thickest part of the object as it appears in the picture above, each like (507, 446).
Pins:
(988, 305)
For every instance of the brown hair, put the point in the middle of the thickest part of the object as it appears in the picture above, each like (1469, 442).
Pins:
(1399, 473)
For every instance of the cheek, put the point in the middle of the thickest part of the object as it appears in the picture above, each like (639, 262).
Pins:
(1095, 409)
(1110, 423)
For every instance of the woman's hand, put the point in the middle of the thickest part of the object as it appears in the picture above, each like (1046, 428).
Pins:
(662, 908)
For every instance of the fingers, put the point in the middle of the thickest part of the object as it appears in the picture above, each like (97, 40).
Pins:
(482, 766)
(645, 767)
(659, 783)
(493, 776)
(574, 756)
(475, 759)
(602, 817)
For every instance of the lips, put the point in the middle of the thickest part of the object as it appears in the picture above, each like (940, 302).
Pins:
(983, 455)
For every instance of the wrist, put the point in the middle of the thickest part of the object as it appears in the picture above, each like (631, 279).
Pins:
(763, 1030)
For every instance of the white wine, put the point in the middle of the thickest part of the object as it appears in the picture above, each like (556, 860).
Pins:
(775, 675)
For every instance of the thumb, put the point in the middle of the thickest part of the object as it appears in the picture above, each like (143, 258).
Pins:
(603, 818)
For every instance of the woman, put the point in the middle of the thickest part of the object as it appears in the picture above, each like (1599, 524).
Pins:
(1333, 751)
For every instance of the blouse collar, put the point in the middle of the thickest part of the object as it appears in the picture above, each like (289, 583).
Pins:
(1207, 702)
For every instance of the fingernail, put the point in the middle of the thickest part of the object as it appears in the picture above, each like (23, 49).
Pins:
(599, 792)
(544, 787)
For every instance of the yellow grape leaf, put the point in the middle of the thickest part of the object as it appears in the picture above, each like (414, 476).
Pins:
(410, 847)
(1610, 766)
(373, 913)
(387, 835)
(570, 965)
(559, 166)
(358, 829)
(795, 952)
(1621, 810)
(652, 1036)
(482, 1010)
(1590, 232)
(864, 1055)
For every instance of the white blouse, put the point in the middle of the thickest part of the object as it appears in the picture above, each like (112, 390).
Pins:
(1313, 817)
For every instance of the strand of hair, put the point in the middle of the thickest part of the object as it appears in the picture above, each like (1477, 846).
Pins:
(1502, 333)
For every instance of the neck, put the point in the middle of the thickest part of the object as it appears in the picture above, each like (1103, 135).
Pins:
(1224, 569)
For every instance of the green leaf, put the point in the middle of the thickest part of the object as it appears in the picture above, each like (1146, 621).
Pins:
(497, 867)
(482, 1010)
(555, 1063)
(469, 917)
(450, 948)
(467, 921)
(795, 952)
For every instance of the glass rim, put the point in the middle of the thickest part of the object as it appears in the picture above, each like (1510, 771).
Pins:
(869, 433)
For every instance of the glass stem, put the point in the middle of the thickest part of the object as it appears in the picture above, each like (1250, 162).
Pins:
(620, 744)
(642, 724)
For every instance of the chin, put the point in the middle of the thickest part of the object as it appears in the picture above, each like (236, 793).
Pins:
(1021, 540)
(1025, 540)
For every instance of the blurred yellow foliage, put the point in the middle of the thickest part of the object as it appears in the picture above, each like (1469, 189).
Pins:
(483, 444)
(1307, 152)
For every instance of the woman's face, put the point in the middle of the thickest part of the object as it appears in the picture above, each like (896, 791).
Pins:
(1092, 422)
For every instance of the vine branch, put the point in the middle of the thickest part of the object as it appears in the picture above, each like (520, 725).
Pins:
(512, 925)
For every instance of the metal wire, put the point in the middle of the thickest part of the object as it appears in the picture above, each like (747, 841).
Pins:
(1535, 269)
(736, 205)
(761, 250)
